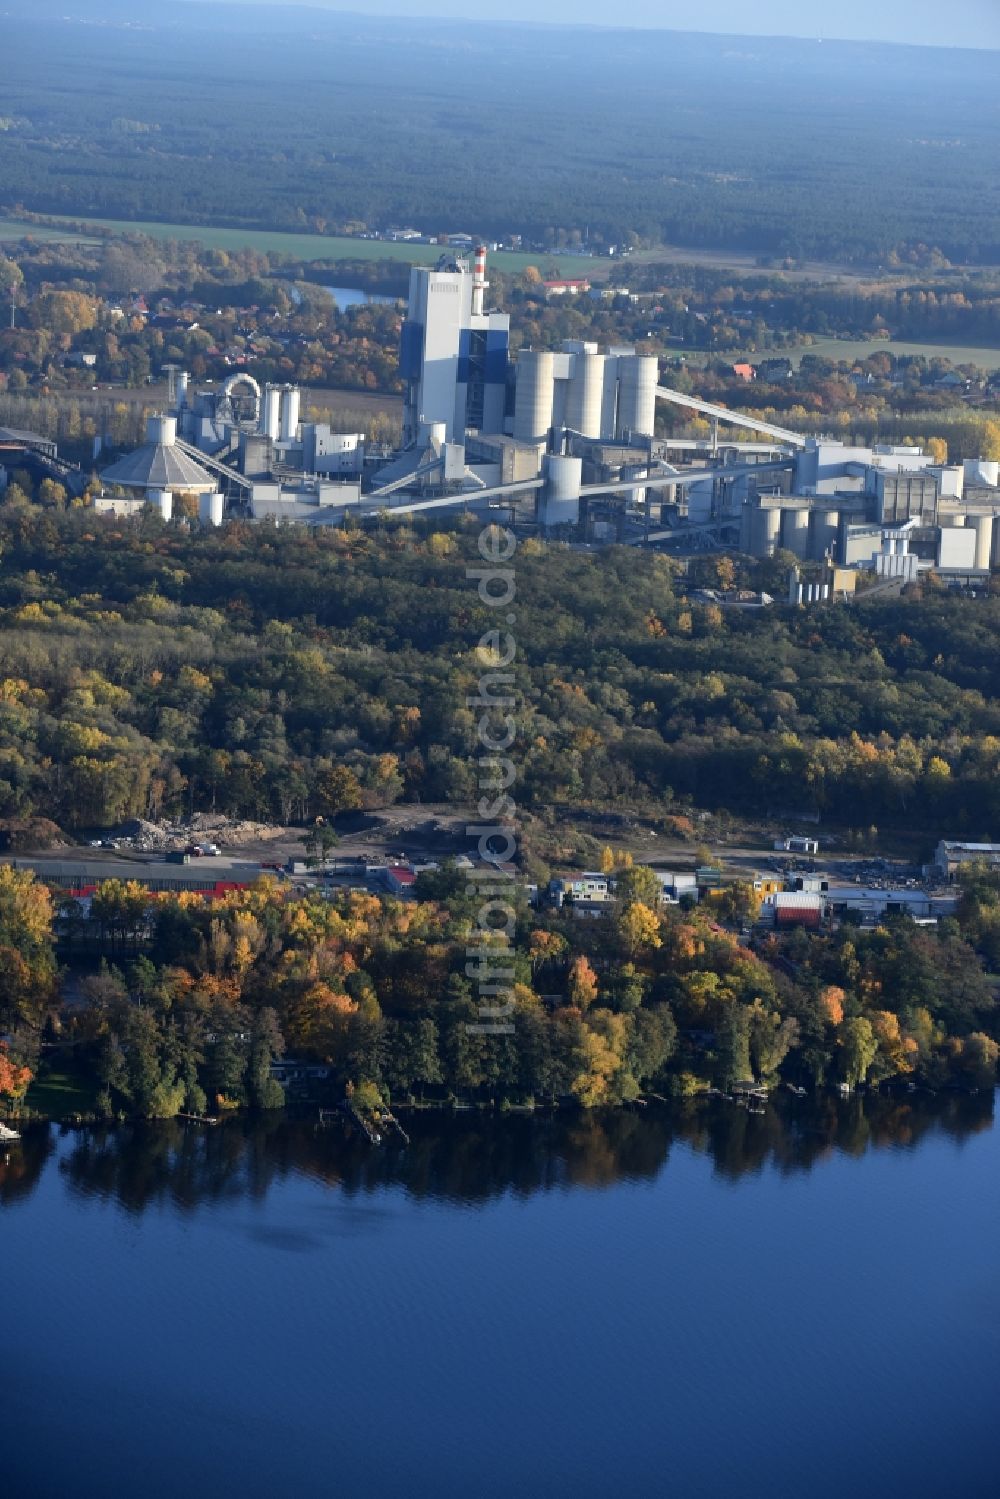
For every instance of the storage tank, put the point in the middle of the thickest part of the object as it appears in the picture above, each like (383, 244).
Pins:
(534, 395)
(271, 413)
(795, 531)
(163, 501)
(638, 377)
(609, 399)
(586, 394)
(210, 508)
(765, 532)
(560, 503)
(290, 398)
(161, 430)
(826, 530)
(983, 525)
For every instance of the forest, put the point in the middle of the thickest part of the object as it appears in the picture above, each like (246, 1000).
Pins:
(298, 119)
(150, 669)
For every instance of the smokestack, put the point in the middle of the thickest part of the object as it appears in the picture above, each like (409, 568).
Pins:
(479, 282)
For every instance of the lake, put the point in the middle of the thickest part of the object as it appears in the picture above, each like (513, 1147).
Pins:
(693, 1303)
(350, 296)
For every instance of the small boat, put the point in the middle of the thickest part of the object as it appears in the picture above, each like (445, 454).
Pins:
(8, 1136)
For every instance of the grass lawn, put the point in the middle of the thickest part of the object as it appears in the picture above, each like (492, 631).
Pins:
(61, 1090)
(308, 246)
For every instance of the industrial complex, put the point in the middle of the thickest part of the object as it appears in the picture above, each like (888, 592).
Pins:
(562, 440)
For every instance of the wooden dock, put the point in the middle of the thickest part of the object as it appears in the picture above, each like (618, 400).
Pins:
(368, 1127)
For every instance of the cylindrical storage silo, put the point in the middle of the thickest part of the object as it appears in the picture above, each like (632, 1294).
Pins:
(210, 508)
(182, 388)
(163, 501)
(984, 541)
(290, 398)
(162, 430)
(826, 530)
(772, 532)
(795, 531)
(560, 503)
(534, 395)
(609, 399)
(638, 377)
(432, 434)
(586, 395)
(271, 413)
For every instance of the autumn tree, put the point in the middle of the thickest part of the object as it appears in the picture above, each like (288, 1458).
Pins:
(583, 983)
(14, 1080)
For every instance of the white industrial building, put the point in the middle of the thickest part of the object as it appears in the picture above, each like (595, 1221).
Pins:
(453, 353)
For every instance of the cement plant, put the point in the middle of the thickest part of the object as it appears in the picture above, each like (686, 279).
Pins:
(560, 441)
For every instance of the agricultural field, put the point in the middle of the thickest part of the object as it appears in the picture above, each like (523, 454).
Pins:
(851, 349)
(306, 247)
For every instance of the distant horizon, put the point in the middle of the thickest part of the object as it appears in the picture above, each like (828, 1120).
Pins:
(967, 24)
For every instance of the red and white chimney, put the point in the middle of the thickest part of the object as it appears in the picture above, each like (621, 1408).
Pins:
(479, 282)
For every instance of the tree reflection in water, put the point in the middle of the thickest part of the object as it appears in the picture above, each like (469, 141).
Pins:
(475, 1158)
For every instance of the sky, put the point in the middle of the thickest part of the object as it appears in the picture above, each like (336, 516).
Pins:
(960, 23)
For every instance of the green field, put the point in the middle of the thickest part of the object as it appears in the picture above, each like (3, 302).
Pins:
(851, 349)
(306, 246)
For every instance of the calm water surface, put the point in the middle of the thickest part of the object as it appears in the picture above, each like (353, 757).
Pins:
(350, 296)
(706, 1303)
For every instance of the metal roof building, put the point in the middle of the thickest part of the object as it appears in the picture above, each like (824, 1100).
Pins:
(160, 464)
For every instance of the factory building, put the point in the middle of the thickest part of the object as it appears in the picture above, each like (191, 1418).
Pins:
(453, 354)
(892, 511)
(157, 473)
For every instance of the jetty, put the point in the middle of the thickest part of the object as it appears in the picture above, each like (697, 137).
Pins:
(381, 1119)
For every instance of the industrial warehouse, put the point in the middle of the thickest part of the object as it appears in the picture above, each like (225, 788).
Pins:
(562, 440)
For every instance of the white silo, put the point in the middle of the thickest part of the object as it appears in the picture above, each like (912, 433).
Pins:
(826, 532)
(290, 399)
(271, 413)
(161, 430)
(534, 395)
(163, 501)
(795, 530)
(560, 501)
(984, 541)
(638, 377)
(586, 394)
(609, 398)
(210, 509)
(766, 531)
